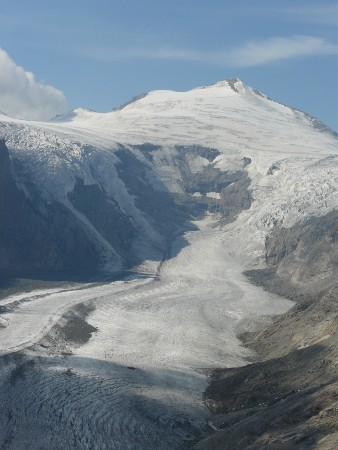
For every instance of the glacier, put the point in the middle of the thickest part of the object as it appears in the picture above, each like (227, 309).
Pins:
(198, 180)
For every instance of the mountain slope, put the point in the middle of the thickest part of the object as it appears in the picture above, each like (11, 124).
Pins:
(188, 189)
(200, 140)
(30, 224)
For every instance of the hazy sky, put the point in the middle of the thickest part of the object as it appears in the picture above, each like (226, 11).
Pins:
(57, 55)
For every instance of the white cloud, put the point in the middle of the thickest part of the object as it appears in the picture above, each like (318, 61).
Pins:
(24, 97)
(166, 53)
(279, 48)
(250, 54)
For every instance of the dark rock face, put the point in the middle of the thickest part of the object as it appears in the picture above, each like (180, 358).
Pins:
(147, 150)
(235, 197)
(5, 169)
(302, 259)
(205, 152)
(133, 100)
(104, 213)
(158, 205)
(38, 236)
(232, 82)
(232, 186)
(211, 179)
(315, 123)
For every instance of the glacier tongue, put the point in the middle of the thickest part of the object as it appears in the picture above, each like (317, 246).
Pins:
(136, 380)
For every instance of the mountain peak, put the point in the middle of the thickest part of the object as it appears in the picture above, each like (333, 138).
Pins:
(71, 115)
(235, 84)
(132, 100)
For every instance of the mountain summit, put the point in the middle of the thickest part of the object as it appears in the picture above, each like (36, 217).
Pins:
(204, 112)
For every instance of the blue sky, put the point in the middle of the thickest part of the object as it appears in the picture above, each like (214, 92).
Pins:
(101, 53)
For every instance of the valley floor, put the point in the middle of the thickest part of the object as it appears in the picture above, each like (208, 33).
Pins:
(117, 365)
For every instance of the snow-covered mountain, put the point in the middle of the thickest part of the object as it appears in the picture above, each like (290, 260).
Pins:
(189, 189)
(131, 178)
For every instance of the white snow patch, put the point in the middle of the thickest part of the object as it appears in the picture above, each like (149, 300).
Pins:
(215, 195)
